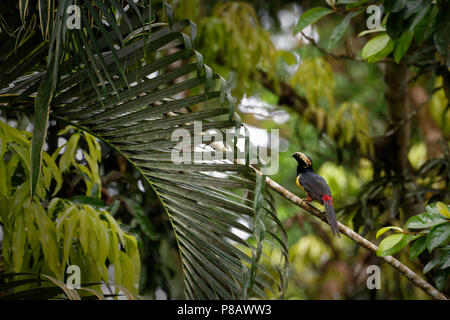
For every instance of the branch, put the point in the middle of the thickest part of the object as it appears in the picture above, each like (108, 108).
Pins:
(331, 54)
(415, 279)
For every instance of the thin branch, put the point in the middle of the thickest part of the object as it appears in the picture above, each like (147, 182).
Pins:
(328, 53)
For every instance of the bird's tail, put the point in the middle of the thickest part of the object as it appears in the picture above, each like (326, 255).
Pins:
(330, 214)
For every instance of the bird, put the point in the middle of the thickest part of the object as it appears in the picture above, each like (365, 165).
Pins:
(316, 188)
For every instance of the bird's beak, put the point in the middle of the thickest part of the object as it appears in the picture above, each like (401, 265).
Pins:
(301, 156)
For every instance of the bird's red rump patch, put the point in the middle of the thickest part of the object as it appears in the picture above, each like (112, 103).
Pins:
(327, 198)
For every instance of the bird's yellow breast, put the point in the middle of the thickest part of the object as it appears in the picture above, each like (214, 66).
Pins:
(298, 183)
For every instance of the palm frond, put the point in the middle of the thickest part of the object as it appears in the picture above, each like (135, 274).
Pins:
(131, 82)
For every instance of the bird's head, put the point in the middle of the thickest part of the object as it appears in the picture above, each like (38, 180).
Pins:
(303, 160)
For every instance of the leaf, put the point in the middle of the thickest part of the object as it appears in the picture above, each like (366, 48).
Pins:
(69, 230)
(93, 202)
(418, 247)
(441, 278)
(392, 244)
(431, 265)
(83, 231)
(443, 209)
(413, 6)
(424, 28)
(339, 31)
(47, 237)
(18, 242)
(420, 16)
(45, 16)
(444, 259)
(424, 220)
(54, 170)
(363, 33)
(143, 221)
(309, 17)
(401, 45)
(383, 230)
(396, 25)
(41, 115)
(394, 5)
(377, 48)
(438, 236)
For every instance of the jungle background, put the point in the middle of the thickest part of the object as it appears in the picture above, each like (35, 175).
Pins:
(373, 118)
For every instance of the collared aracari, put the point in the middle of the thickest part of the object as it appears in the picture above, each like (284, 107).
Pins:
(316, 188)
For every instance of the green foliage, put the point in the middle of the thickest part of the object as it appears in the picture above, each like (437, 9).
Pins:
(434, 236)
(404, 21)
(240, 45)
(309, 17)
(377, 48)
(104, 89)
(344, 122)
(45, 234)
(13, 286)
(408, 20)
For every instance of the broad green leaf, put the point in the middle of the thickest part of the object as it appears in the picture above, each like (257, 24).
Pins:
(438, 236)
(383, 230)
(309, 17)
(363, 33)
(431, 265)
(443, 209)
(392, 244)
(444, 259)
(441, 278)
(425, 220)
(425, 27)
(401, 45)
(418, 247)
(339, 31)
(377, 48)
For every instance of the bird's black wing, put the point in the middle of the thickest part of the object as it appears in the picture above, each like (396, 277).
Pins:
(314, 185)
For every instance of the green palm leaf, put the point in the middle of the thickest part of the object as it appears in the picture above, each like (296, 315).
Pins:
(231, 243)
